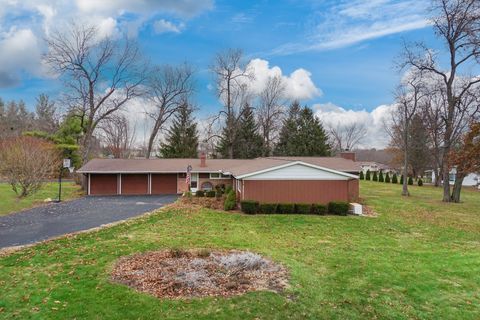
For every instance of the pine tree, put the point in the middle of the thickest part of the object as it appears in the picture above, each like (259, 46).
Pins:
(182, 136)
(387, 178)
(249, 141)
(302, 134)
(375, 176)
(395, 178)
(362, 176)
(410, 181)
(420, 182)
(380, 177)
(368, 175)
(401, 179)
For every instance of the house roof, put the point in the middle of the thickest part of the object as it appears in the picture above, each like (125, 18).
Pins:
(236, 167)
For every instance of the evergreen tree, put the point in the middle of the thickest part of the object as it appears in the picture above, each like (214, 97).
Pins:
(401, 179)
(420, 182)
(395, 178)
(302, 134)
(387, 178)
(249, 143)
(362, 176)
(410, 181)
(182, 136)
(380, 177)
(368, 175)
(375, 176)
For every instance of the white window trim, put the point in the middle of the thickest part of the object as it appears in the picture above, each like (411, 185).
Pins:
(220, 177)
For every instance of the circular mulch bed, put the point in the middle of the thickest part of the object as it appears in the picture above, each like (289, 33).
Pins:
(200, 273)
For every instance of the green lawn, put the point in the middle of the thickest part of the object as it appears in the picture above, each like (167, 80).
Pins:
(419, 259)
(10, 203)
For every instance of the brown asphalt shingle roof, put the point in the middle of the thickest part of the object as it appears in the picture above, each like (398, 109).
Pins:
(236, 167)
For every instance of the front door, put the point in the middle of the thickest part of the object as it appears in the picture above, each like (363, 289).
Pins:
(194, 182)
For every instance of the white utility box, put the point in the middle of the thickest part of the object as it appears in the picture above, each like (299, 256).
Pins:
(356, 209)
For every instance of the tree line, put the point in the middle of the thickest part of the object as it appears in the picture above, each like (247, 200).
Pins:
(436, 118)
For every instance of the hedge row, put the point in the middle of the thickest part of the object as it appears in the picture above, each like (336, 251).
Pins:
(334, 207)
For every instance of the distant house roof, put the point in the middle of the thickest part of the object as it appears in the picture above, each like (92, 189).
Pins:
(236, 167)
(373, 163)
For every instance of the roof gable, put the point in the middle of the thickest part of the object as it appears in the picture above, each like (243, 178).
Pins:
(297, 170)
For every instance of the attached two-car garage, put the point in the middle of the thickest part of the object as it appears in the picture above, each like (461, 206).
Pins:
(132, 184)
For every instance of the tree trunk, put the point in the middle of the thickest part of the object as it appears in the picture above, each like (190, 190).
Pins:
(446, 181)
(457, 187)
(405, 165)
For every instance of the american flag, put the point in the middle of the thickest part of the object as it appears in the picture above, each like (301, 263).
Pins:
(188, 178)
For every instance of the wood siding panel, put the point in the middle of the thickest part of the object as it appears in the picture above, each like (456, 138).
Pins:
(133, 184)
(299, 191)
(103, 184)
(164, 183)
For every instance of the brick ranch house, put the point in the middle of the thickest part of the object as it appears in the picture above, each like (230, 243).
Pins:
(267, 180)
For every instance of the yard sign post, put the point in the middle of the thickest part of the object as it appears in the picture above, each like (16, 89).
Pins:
(66, 164)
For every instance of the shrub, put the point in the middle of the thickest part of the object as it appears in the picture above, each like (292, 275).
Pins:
(286, 208)
(367, 176)
(218, 193)
(211, 193)
(401, 179)
(267, 208)
(338, 207)
(410, 181)
(362, 176)
(187, 195)
(230, 201)
(200, 193)
(319, 209)
(420, 182)
(387, 178)
(380, 177)
(241, 261)
(375, 176)
(228, 189)
(249, 206)
(394, 178)
(302, 208)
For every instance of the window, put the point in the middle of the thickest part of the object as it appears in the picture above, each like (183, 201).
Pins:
(207, 186)
(239, 186)
(452, 177)
(219, 175)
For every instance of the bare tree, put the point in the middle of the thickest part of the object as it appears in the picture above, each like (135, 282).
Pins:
(409, 97)
(46, 117)
(457, 24)
(118, 136)
(26, 162)
(270, 111)
(100, 75)
(348, 136)
(232, 82)
(169, 88)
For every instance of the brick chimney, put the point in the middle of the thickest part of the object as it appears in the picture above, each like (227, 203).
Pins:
(203, 160)
(349, 155)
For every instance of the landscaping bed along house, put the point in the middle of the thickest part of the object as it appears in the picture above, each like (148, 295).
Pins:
(225, 199)
(187, 274)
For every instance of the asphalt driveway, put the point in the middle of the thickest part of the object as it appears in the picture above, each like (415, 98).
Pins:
(53, 220)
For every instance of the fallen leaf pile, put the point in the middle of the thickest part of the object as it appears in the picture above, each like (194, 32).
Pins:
(180, 274)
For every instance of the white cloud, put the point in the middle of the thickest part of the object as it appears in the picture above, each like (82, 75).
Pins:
(350, 22)
(164, 26)
(20, 52)
(374, 120)
(24, 23)
(298, 84)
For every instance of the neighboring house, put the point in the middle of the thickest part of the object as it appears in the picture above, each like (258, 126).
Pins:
(471, 180)
(273, 179)
(374, 167)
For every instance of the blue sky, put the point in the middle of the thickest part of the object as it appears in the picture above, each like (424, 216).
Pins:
(346, 48)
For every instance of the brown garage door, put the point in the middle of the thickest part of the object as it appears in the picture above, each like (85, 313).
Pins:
(103, 184)
(164, 183)
(134, 184)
